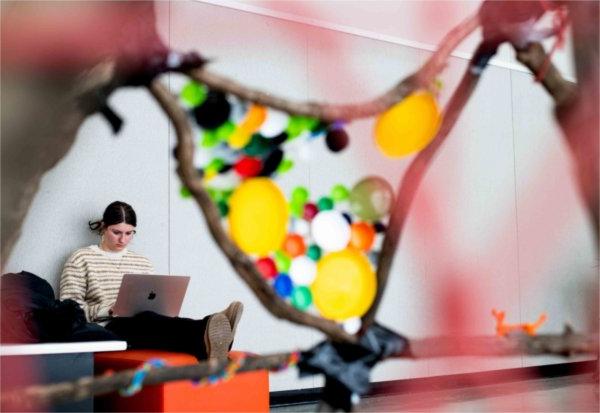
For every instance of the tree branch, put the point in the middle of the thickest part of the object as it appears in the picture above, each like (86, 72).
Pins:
(576, 110)
(41, 395)
(409, 184)
(533, 57)
(329, 112)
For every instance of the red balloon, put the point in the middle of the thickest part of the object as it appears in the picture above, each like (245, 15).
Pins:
(248, 166)
(266, 266)
(294, 245)
(310, 210)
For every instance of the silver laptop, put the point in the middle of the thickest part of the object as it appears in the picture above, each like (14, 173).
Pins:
(162, 294)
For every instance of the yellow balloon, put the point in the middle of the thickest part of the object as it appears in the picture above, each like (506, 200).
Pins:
(408, 126)
(345, 285)
(258, 216)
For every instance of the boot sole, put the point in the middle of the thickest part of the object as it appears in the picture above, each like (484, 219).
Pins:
(218, 337)
(233, 314)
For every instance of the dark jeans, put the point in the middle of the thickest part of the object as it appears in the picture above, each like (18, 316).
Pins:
(149, 330)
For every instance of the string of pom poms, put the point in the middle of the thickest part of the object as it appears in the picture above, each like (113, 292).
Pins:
(139, 376)
(226, 374)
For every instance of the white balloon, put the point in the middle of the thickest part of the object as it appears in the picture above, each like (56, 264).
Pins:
(239, 109)
(275, 123)
(304, 153)
(300, 227)
(352, 325)
(330, 230)
(303, 270)
(202, 158)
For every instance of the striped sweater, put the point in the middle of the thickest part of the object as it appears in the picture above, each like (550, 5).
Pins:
(92, 277)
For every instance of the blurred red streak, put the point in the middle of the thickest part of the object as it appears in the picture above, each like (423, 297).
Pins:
(70, 36)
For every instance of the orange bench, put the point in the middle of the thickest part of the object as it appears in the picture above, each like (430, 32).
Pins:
(247, 392)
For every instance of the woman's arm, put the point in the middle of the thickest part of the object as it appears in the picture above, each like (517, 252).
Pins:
(73, 285)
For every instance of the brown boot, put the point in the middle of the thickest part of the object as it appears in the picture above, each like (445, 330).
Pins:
(217, 337)
(233, 313)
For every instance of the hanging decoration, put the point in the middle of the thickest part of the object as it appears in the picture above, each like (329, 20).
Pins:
(408, 126)
(315, 252)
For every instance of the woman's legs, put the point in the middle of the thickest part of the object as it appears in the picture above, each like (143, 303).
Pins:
(210, 336)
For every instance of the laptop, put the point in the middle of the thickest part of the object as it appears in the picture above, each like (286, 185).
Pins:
(162, 294)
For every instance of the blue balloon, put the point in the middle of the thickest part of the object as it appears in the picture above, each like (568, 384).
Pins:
(283, 285)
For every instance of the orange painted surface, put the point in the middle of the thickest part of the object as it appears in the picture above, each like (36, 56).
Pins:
(247, 392)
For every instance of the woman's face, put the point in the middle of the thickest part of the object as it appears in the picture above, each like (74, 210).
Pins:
(116, 237)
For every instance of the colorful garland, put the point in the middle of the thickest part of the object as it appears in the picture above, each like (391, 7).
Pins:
(290, 362)
(139, 376)
(236, 361)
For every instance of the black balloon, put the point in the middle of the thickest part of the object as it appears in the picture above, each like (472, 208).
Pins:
(337, 139)
(379, 227)
(279, 139)
(271, 163)
(225, 168)
(347, 217)
(320, 127)
(213, 112)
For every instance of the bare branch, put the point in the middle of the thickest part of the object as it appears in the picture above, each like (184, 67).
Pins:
(576, 111)
(329, 112)
(566, 344)
(533, 57)
(240, 261)
(40, 395)
(410, 183)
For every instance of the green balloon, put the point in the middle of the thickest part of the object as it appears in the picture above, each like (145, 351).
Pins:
(285, 166)
(223, 208)
(300, 194)
(209, 138)
(213, 193)
(311, 123)
(296, 126)
(314, 252)
(339, 193)
(226, 193)
(184, 192)
(219, 195)
(215, 165)
(194, 93)
(225, 130)
(371, 198)
(296, 209)
(282, 261)
(325, 204)
(301, 297)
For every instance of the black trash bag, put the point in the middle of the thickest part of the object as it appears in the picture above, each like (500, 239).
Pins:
(347, 367)
(30, 313)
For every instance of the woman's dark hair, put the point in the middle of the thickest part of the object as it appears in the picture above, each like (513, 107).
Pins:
(115, 213)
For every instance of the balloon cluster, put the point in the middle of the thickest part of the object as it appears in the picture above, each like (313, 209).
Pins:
(316, 253)
(320, 252)
(239, 140)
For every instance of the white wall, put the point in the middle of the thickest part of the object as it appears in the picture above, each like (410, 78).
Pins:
(497, 219)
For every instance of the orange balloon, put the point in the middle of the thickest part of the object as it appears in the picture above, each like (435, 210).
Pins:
(362, 236)
(294, 245)
(254, 118)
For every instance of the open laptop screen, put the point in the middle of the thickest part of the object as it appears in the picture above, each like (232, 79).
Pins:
(162, 294)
